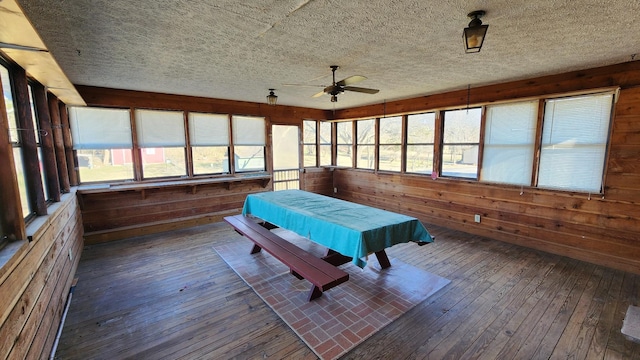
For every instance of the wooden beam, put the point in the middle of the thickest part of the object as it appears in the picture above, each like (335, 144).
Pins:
(46, 142)
(29, 147)
(280, 114)
(58, 142)
(68, 145)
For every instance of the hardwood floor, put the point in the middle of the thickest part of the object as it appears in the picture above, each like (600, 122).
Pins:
(170, 296)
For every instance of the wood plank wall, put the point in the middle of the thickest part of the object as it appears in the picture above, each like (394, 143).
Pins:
(117, 215)
(602, 230)
(122, 214)
(317, 180)
(35, 285)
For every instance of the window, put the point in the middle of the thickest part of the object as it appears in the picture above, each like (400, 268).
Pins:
(366, 144)
(344, 144)
(209, 138)
(161, 138)
(420, 140)
(509, 142)
(460, 143)
(325, 143)
(15, 139)
(390, 144)
(103, 142)
(574, 142)
(309, 143)
(249, 143)
(39, 134)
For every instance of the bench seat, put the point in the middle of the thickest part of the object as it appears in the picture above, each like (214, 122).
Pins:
(302, 264)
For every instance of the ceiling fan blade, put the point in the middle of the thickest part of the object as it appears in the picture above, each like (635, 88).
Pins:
(351, 80)
(304, 85)
(318, 94)
(361, 89)
(4, 45)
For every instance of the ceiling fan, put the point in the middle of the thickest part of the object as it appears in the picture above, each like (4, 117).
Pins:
(344, 85)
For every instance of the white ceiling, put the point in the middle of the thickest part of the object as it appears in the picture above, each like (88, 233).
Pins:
(238, 50)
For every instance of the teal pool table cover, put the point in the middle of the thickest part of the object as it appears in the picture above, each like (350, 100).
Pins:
(351, 229)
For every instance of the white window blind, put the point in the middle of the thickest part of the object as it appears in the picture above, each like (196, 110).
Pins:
(574, 139)
(208, 129)
(509, 142)
(248, 131)
(160, 128)
(100, 128)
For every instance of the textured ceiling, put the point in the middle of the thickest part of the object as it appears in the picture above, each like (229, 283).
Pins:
(407, 48)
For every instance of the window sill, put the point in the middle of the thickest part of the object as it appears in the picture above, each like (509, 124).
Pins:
(228, 181)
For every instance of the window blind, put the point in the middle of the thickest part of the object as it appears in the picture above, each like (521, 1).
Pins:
(157, 128)
(574, 139)
(509, 141)
(100, 128)
(248, 131)
(208, 129)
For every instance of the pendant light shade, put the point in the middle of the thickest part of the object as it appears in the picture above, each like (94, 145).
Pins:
(474, 35)
(272, 98)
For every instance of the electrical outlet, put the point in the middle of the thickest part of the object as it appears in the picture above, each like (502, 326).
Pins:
(476, 218)
(335, 190)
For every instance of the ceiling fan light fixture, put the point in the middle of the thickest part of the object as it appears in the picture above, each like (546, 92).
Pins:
(334, 98)
(272, 98)
(474, 34)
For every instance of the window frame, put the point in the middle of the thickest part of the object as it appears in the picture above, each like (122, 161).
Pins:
(442, 143)
(426, 144)
(314, 144)
(402, 143)
(371, 146)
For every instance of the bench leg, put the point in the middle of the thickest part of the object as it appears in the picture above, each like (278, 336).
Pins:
(255, 249)
(296, 274)
(383, 259)
(314, 293)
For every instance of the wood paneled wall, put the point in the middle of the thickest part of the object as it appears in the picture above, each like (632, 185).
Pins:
(600, 229)
(121, 214)
(35, 284)
(317, 180)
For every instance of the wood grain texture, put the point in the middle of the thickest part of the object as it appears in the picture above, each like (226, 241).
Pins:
(171, 296)
(34, 291)
(318, 180)
(119, 214)
(279, 114)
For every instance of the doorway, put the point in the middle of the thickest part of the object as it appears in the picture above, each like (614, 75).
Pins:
(286, 157)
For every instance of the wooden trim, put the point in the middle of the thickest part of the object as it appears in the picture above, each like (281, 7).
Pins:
(61, 159)
(11, 218)
(538, 143)
(188, 151)
(97, 96)
(68, 145)
(483, 122)
(191, 183)
(136, 155)
(403, 145)
(46, 142)
(232, 151)
(437, 143)
(607, 77)
(28, 145)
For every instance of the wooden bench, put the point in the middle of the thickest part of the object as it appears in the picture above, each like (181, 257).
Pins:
(301, 263)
